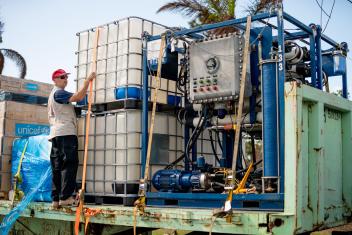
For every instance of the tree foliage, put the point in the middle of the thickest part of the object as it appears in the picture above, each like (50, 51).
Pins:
(204, 11)
(213, 11)
(12, 55)
(258, 6)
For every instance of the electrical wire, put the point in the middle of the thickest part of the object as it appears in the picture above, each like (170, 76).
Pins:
(349, 1)
(321, 8)
(332, 8)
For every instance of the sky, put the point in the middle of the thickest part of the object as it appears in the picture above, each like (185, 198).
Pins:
(44, 31)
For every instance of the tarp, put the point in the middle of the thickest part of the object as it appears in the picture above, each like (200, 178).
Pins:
(35, 162)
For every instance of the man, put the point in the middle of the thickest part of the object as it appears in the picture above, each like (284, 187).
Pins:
(63, 135)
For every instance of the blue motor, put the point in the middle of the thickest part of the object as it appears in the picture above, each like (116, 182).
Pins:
(180, 181)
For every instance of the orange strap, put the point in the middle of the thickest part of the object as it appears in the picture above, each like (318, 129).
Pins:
(140, 203)
(90, 95)
(241, 99)
(240, 188)
(228, 202)
(89, 212)
(151, 129)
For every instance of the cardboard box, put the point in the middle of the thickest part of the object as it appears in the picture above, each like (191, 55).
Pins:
(5, 182)
(22, 111)
(5, 164)
(18, 120)
(24, 86)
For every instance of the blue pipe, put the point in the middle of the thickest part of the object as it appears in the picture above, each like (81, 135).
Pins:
(296, 22)
(313, 60)
(281, 96)
(297, 35)
(344, 85)
(269, 102)
(218, 25)
(344, 75)
(307, 29)
(319, 59)
(144, 108)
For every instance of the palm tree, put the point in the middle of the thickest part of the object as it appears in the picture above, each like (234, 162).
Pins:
(204, 12)
(257, 6)
(213, 11)
(13, 55)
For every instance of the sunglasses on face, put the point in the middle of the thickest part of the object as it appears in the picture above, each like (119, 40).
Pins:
(63, 77)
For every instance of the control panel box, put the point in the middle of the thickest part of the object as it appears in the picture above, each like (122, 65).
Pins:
(215, 67)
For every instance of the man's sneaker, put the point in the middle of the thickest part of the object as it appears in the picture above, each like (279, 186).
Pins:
(68, 202)
(55, 205)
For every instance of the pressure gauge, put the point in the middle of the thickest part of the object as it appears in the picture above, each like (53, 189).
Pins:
(212, 64)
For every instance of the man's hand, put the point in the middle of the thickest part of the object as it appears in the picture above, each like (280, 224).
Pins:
(91, 77)
(79, 95)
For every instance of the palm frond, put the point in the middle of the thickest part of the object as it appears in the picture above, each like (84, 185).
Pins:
(17, 58)
(2, 61)
(185, 7)
(257, 6)
(1, 30)
(204, 12)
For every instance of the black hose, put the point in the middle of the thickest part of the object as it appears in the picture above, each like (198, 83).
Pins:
(213, 147)
(219, 142)
(197, 131)
(254, 164)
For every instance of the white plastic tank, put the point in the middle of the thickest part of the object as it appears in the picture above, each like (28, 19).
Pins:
(119, 58)
(114, 150)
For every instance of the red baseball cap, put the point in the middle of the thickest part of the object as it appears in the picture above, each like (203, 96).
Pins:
(59, 72)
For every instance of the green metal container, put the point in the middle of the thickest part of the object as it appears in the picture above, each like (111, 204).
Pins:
(318, 182)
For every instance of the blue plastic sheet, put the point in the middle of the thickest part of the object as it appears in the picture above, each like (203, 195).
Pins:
(11, 218)
(35, 163)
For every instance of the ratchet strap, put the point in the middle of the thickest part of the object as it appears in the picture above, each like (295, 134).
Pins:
(90, 94)
(227, 206)
(140, 203)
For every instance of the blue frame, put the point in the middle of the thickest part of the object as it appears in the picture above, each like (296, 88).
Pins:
(274, 200)
(264, 202)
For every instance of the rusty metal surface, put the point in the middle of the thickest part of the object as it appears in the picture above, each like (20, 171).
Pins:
(173, 218)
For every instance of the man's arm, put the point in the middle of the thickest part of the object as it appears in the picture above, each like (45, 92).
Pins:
(79, 95)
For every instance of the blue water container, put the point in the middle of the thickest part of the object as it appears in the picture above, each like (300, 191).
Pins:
(173, 100)
(122, 93)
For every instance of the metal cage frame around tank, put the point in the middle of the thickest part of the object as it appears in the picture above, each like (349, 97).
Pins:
(313, 32)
